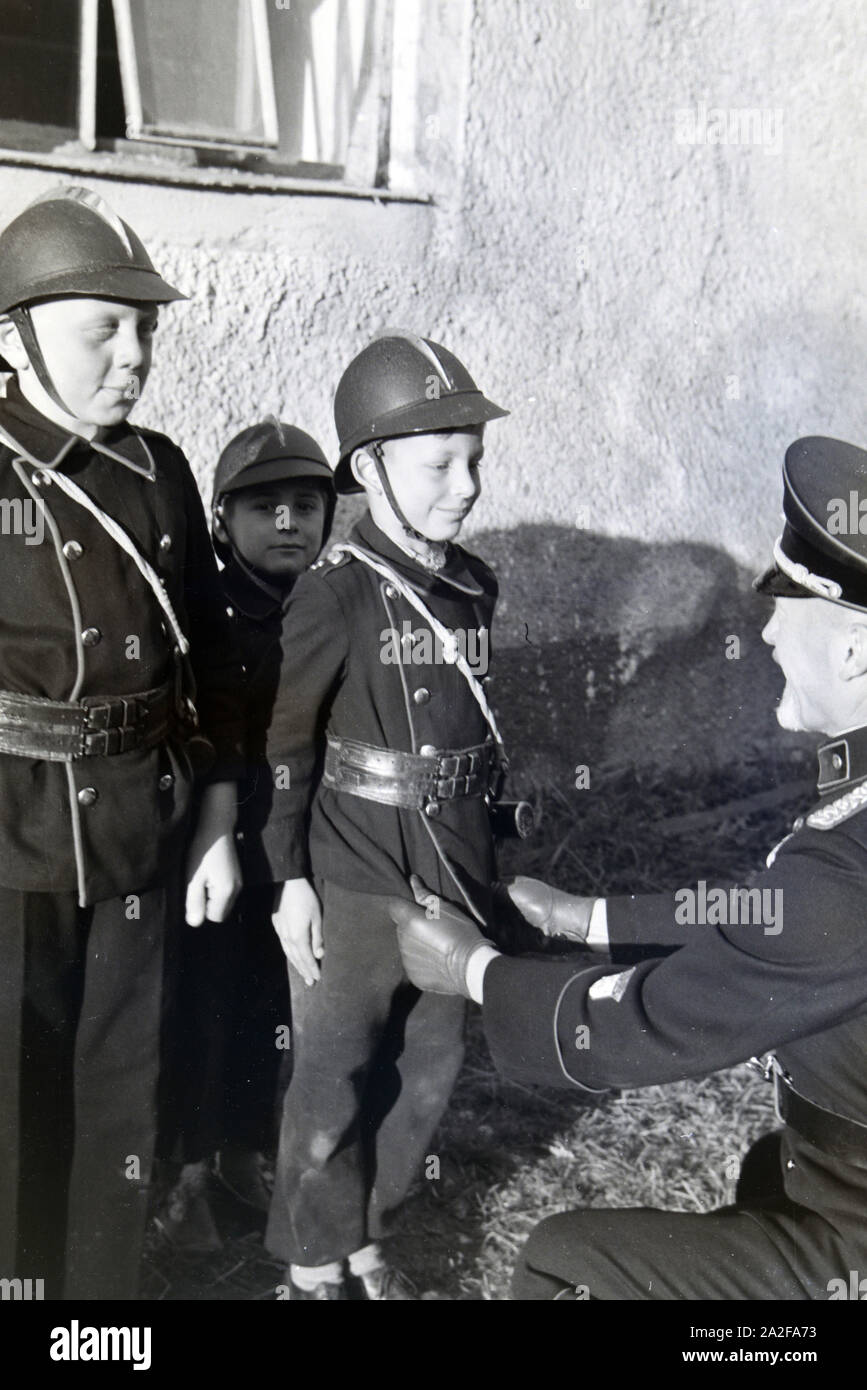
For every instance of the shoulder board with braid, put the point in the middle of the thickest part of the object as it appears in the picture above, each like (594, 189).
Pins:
(826, 817)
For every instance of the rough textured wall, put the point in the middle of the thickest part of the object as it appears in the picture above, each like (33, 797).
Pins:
(662, 318)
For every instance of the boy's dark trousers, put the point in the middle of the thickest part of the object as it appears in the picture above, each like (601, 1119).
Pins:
(375, 1061)
(223, 1064)
(80, 1001)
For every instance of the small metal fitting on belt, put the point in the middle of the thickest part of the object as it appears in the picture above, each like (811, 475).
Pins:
(768, 1067)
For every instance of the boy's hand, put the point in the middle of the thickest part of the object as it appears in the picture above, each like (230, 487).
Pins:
(213, 872)
(298, 923)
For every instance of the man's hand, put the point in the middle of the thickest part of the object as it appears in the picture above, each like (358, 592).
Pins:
(436, 941)
(213, 872)
(549, 910)
(298, 923)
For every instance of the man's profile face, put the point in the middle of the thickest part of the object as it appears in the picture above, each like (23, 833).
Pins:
(808, 637)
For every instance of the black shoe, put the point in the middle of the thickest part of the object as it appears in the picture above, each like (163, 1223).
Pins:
(245, 1174)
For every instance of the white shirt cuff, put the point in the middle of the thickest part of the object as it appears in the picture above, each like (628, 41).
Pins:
(478, 964)
(597, 934)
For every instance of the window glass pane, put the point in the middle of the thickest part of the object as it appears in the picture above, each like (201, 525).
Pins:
(196, 68)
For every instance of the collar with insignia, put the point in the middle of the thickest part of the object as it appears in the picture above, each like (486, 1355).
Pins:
(45, 444)
(842, 783)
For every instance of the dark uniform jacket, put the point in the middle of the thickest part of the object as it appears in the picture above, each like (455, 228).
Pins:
(255, 617)
(334, 679)
(74, 603)
(714, 995)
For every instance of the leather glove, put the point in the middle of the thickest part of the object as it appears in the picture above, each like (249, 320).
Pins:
(436, 949)
(549, 910)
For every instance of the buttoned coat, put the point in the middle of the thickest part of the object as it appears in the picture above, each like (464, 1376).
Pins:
(343, 627)
(78, 621)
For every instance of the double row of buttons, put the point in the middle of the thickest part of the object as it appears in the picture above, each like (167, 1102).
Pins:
(88, 796)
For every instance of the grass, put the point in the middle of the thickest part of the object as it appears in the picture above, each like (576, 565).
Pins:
(509, 1154)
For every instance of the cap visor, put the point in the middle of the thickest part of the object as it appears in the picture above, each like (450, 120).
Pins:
(278, 471)
(775, 584)
(126, 283)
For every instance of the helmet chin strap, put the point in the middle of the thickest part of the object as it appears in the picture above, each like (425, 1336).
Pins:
(24, 323)
(435, 551)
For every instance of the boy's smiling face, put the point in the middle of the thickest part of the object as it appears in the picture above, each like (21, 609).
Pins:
(435, 479)
(277, 527)
(98, 355)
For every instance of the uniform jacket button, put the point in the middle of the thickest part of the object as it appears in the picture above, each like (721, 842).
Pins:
(73, 550)
(42, 479)
(88, 796)
(390, 591)
(230, 612)
(165, 543)
(91, 637)
(432, 809)
(421, 696)
(427, 750)
(166, 781)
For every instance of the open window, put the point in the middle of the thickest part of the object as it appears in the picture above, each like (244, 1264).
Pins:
(293, 87)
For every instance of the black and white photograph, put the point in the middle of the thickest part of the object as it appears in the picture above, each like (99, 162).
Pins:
(433, 667)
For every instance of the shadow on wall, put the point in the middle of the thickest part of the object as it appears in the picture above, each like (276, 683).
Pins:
(615, 653)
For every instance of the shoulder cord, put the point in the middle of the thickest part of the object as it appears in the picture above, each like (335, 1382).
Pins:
(449, 645)
(120, 536)
(117, 533)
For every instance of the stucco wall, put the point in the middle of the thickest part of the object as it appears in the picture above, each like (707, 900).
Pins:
(661, 317)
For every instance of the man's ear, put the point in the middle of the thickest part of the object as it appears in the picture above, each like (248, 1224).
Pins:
(11, 346)
(364, 471)
(855, 651)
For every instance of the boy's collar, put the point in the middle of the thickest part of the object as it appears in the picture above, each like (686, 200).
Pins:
(456, 571)
(45, 444)
(248, 594)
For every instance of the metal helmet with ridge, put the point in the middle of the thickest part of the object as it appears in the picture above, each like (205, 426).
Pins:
(267, 452)
(402, 384)
(68, 241)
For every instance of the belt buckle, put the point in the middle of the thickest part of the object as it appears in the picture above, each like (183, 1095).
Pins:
(118, 724)
(448, 766)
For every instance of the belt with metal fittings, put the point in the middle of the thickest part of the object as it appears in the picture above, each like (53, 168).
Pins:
(96, 726)
(414, 780)
(835, 1134)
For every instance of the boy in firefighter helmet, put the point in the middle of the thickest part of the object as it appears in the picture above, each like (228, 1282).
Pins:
(383, 752)
(110, 629)
(271, 512)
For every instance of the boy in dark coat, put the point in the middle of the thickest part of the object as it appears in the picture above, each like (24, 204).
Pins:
(383, 754)
(112, 623)
(273, 504)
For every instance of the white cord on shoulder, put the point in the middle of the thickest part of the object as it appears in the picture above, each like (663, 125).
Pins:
(447, 639)
(120, 536)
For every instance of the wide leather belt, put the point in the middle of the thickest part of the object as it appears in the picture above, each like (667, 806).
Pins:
(417, 780)
(835, 1134)
(97, 726)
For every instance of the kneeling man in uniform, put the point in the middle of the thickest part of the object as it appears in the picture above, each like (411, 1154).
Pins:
(666, 992)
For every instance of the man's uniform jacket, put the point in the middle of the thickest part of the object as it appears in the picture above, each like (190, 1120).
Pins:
(334, 678)
(77, 601)
(711, 996)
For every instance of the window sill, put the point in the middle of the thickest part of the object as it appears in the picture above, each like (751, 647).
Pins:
(133, 168)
